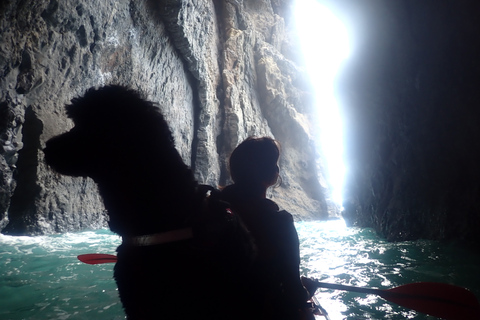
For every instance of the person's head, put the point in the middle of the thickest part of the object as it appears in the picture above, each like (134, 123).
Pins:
(255, 162)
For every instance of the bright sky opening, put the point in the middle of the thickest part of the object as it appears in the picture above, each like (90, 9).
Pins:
(324, 43)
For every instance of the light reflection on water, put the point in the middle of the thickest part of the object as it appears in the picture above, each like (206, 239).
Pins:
(40, 277)
(334, 253)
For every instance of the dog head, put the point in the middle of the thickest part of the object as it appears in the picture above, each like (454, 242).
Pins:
(111, 125)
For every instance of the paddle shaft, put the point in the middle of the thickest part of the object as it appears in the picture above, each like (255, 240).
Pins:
(383, 293)
(387, 294)
(349, 288)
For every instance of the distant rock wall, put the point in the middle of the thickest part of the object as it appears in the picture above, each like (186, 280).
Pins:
(411, 100)
(220, 71)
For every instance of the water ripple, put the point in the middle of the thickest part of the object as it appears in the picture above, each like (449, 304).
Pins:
(334, 253)
(41, 278)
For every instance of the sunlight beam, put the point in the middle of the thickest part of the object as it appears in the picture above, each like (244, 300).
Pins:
(325, 46)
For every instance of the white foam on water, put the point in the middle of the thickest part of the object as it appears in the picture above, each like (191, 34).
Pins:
(41, 278)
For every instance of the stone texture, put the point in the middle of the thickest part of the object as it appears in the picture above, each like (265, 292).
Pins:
(52, 51)
(259, 82)
(219, 70)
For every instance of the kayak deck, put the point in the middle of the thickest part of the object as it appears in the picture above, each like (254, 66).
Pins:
(317, 310)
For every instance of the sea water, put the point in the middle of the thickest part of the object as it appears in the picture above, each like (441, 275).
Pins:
(358, 257)
(41, 278)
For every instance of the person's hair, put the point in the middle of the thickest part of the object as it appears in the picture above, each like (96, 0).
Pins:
(255, 161)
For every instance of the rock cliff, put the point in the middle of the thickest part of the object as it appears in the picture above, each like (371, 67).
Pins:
(219, 70)
(411, 102)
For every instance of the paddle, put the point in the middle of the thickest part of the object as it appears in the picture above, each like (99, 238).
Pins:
(97, 258)
(437, 299)
(441, 300)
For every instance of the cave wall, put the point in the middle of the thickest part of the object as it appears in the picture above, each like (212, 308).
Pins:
(411, 100)
(219, 70)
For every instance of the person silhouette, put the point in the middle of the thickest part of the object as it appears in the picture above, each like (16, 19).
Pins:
(254, 168)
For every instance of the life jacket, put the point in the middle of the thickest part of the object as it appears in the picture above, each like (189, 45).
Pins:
(218, 230)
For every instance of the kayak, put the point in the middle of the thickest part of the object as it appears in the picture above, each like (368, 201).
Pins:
(317, 310)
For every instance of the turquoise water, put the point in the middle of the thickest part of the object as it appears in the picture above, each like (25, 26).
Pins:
(40, 277)
(358, 257)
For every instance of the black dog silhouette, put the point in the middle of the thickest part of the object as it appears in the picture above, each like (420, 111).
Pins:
(176, 261)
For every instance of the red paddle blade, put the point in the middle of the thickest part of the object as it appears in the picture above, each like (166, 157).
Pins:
(437, 299)
(97, 258)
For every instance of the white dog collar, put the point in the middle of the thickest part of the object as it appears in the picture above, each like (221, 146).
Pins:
(159, 238)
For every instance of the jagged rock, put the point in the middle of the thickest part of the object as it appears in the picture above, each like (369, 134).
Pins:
(219, 70)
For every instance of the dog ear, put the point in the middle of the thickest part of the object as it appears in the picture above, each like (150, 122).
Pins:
(81, 106)
(72, 109)
(103, 102)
